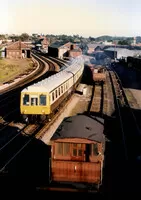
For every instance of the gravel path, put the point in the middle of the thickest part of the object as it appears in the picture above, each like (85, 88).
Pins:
(137, 95)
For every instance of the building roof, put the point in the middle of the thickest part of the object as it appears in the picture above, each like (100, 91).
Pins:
(95, 45)
(81, 126)
(76, 50)
(124, 51)
(58, 44)
(17, 46)
(116, 49)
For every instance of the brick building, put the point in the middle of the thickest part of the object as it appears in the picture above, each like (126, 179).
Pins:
(74, 51)
(92, 48)
(59, 49)
(17, 50)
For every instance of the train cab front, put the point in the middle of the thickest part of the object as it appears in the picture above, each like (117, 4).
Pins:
(34, 107)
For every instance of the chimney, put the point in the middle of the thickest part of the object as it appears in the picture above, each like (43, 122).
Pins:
(73, 46)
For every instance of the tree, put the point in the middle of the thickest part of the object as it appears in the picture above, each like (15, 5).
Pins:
(91, 39)
(2, 37)
(24, 36)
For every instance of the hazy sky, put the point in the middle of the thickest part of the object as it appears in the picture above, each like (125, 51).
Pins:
(83, 17)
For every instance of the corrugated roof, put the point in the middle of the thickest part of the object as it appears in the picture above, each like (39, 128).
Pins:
(81, 126)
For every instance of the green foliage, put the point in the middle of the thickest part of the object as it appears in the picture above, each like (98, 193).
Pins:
(2, 37)
(24, 37)
(124, 42)
(14, 38)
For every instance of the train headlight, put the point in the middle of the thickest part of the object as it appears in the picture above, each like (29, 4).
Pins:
(43, 111)
(24, 111)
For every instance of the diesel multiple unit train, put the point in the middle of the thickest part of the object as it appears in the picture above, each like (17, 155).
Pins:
(41, 100)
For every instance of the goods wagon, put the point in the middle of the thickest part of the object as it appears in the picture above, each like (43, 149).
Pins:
(77, 151)
(98, 73)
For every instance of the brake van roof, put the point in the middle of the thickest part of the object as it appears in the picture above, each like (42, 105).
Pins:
(81, 126)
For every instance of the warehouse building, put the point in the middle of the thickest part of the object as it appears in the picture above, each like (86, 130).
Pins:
(17, 50)
(120, 53)
(59, 49)
(74, 51)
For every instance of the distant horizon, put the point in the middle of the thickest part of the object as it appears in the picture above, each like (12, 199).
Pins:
(83, 17)
(40, 33)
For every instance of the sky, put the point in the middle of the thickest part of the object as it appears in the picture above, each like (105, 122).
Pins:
(83, 17)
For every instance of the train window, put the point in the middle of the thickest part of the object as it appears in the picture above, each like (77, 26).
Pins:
(94, 149)
(42, 100)
(34, 101)
(59, 91)
(56, 93)
(26, 100)
(52, 96)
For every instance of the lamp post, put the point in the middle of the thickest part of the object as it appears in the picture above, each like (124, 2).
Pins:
(115, 51)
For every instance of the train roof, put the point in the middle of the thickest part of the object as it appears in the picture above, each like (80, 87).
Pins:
(81, 126)
(53, 81)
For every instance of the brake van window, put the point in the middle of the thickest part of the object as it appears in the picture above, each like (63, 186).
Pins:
(26, 100)
(94, 149)
(42, 100)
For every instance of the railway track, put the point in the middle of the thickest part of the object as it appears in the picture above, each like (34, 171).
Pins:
(101, 98)
(59, 61)
(27, 79)
(15, 145)
(129, 123)
(7, 102)
(21, 139)
(60, 64)
(105, 96)
(11, 97)
(117, 95)
(127, 140)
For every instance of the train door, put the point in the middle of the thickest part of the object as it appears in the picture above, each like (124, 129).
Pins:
(34, 100)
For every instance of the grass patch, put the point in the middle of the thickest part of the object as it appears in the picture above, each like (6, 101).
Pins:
(11, 68)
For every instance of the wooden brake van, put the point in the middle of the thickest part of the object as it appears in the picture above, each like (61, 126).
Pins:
(77, 150)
